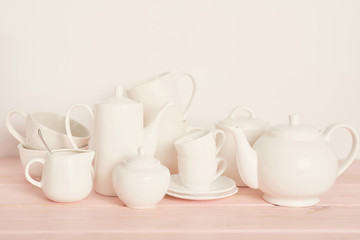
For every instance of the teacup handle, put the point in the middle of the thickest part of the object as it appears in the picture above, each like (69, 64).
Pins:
(236, 110)
(10, 127)
(222, 169)
(178, 75)
(354, 147)
(67, 121)
(27, 175)
(219, 133)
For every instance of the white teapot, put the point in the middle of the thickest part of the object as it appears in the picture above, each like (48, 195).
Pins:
(292, 164)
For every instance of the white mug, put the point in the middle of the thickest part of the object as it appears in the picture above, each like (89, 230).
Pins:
(160, 89)
(205, 143)
(198, 173)
(52, 127)
(67, 175)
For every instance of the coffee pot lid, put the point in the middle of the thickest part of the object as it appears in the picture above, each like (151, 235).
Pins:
(118, 98)
(294, 129)
(249, 122)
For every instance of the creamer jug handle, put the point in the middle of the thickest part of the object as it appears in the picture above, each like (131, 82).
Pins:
(354, 147)
(67, 121)
(27, 169)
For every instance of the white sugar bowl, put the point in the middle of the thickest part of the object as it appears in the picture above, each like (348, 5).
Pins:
(141, 181)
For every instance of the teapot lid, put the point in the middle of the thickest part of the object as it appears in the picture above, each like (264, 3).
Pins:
(118, 98)
(142, 159)
(294, 129)
(244, 122)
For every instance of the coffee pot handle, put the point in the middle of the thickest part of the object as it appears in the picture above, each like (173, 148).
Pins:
(10, 127)
(354, 147)
(178, 75)
(27, 175)
(236, 110)
(67, 121)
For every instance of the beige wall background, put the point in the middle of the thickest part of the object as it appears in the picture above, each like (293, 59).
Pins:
(278, 57)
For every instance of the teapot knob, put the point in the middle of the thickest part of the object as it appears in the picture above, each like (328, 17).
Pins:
(119, 91)
(294, 120)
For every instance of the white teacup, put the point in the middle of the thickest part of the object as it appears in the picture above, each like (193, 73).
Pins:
(165, 149)
(204, 143)
(52, 127)
(198, 173)
(157, 91)
(67, 175)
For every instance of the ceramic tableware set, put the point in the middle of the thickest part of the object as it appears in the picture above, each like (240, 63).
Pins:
(145, 149)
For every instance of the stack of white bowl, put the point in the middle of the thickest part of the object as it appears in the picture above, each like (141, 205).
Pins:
(52, 127)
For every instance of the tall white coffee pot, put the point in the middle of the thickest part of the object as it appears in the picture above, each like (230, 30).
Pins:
(118, 133)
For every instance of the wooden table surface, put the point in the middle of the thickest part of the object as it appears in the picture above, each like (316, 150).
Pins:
(26, 214)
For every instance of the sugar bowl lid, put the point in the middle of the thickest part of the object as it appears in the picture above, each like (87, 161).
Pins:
(249, 122)
(118, 98)
(142, 159)
(294, 129)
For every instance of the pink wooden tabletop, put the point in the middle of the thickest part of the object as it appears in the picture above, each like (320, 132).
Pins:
(26, 214)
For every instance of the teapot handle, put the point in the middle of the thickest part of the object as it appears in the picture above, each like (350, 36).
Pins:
(354, 147)
(177, 75)
(238, 109)
(67, 121)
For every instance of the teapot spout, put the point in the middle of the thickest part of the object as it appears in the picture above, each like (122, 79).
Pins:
(151, 131)
(246, 158)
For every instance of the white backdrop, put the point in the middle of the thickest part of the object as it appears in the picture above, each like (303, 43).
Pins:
(278, 57)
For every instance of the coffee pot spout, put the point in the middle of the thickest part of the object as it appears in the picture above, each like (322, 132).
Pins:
(150, 133)
(246, 158)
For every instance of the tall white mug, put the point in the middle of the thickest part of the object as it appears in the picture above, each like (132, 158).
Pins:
(160, 89)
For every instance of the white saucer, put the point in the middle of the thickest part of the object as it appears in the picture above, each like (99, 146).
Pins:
(207, 196)
(220, 185)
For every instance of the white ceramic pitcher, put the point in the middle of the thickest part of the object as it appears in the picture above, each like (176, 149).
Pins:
(118, 133)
